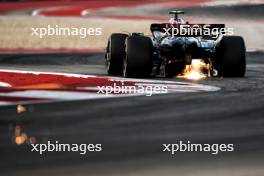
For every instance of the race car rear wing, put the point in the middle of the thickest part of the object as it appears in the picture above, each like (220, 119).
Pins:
(187, 29)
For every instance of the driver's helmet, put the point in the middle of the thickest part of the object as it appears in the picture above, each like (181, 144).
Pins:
(176, 21)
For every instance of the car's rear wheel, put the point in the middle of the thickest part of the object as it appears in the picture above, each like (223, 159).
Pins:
(138, 61)
(115, 53)
(230, 57)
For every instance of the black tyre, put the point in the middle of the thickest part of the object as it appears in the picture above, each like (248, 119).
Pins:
(138, 61)
(230, 57)
(115, 53)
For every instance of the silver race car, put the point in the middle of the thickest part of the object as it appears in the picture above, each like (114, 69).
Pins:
(173, 46)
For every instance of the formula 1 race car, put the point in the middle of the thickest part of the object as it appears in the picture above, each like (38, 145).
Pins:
(173, 46)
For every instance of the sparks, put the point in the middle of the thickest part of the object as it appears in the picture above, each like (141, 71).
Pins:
(195, 71)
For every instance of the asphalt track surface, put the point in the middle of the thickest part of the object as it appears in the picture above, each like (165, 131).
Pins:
(132, 130)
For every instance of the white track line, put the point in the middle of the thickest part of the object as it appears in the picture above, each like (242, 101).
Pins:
(4, 84)
(50, 73)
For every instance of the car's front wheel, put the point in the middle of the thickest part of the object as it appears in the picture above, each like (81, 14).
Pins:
(115, 53)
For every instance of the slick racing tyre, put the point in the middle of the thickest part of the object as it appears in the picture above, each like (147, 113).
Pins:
(115, 53)
(138, 61)
(230, 57)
